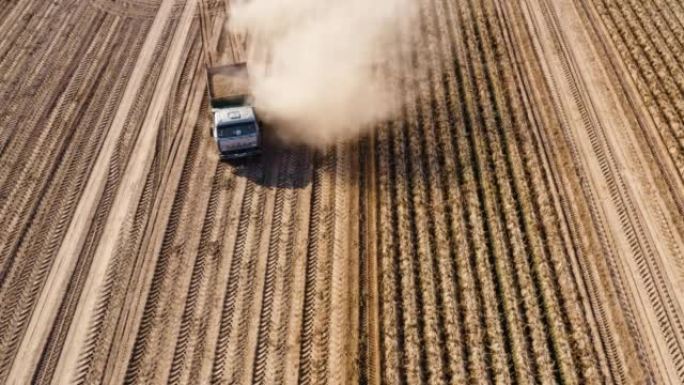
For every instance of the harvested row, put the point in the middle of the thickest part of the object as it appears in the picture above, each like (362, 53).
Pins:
(125, 269)
(7, 11)
(254, 222)
(41, 240)
(27, 142)
(270, 268)
(178, 247)
(55, 46)
(43, 209)
(240, 309)
(242, 282)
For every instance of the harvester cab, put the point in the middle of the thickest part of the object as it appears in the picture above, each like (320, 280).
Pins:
(235, 126)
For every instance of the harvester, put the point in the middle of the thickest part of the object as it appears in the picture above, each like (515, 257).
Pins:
(235, 126)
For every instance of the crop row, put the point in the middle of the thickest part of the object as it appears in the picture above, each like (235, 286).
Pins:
(474, 276)
(649, 35)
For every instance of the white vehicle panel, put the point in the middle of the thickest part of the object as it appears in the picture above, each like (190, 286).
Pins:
(233, 115)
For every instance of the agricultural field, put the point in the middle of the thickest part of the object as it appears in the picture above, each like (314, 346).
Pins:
(522, 221)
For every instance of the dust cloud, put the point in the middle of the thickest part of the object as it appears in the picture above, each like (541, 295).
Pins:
(318, 68)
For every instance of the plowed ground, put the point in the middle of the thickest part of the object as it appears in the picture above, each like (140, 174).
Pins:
(520, 222)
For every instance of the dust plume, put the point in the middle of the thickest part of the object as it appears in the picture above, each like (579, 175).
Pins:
(318, 68)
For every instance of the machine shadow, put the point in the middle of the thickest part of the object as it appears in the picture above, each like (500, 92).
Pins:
(270, 169)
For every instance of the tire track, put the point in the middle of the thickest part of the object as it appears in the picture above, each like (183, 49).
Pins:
(34, 32)
(252, 204)
(158, 315)
(283, 220)
(544, 214)
(314, 334)
(206, 271)
(608, 244)
(32, 87)
(647, 122)
(544, 209)
(175, 146)
(68, 74)
(46, 158)
(646, 257)
(38, 340)
(649, 83)
(40, 241)
(72, 295)
(647, 263)
(292, 313)
(341, 351)
(252, 278)
(626, 329)
(138, 166)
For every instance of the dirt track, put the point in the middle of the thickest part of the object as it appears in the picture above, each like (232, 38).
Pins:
(523, 221)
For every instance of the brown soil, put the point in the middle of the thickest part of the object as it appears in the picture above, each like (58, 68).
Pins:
(521, 222)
